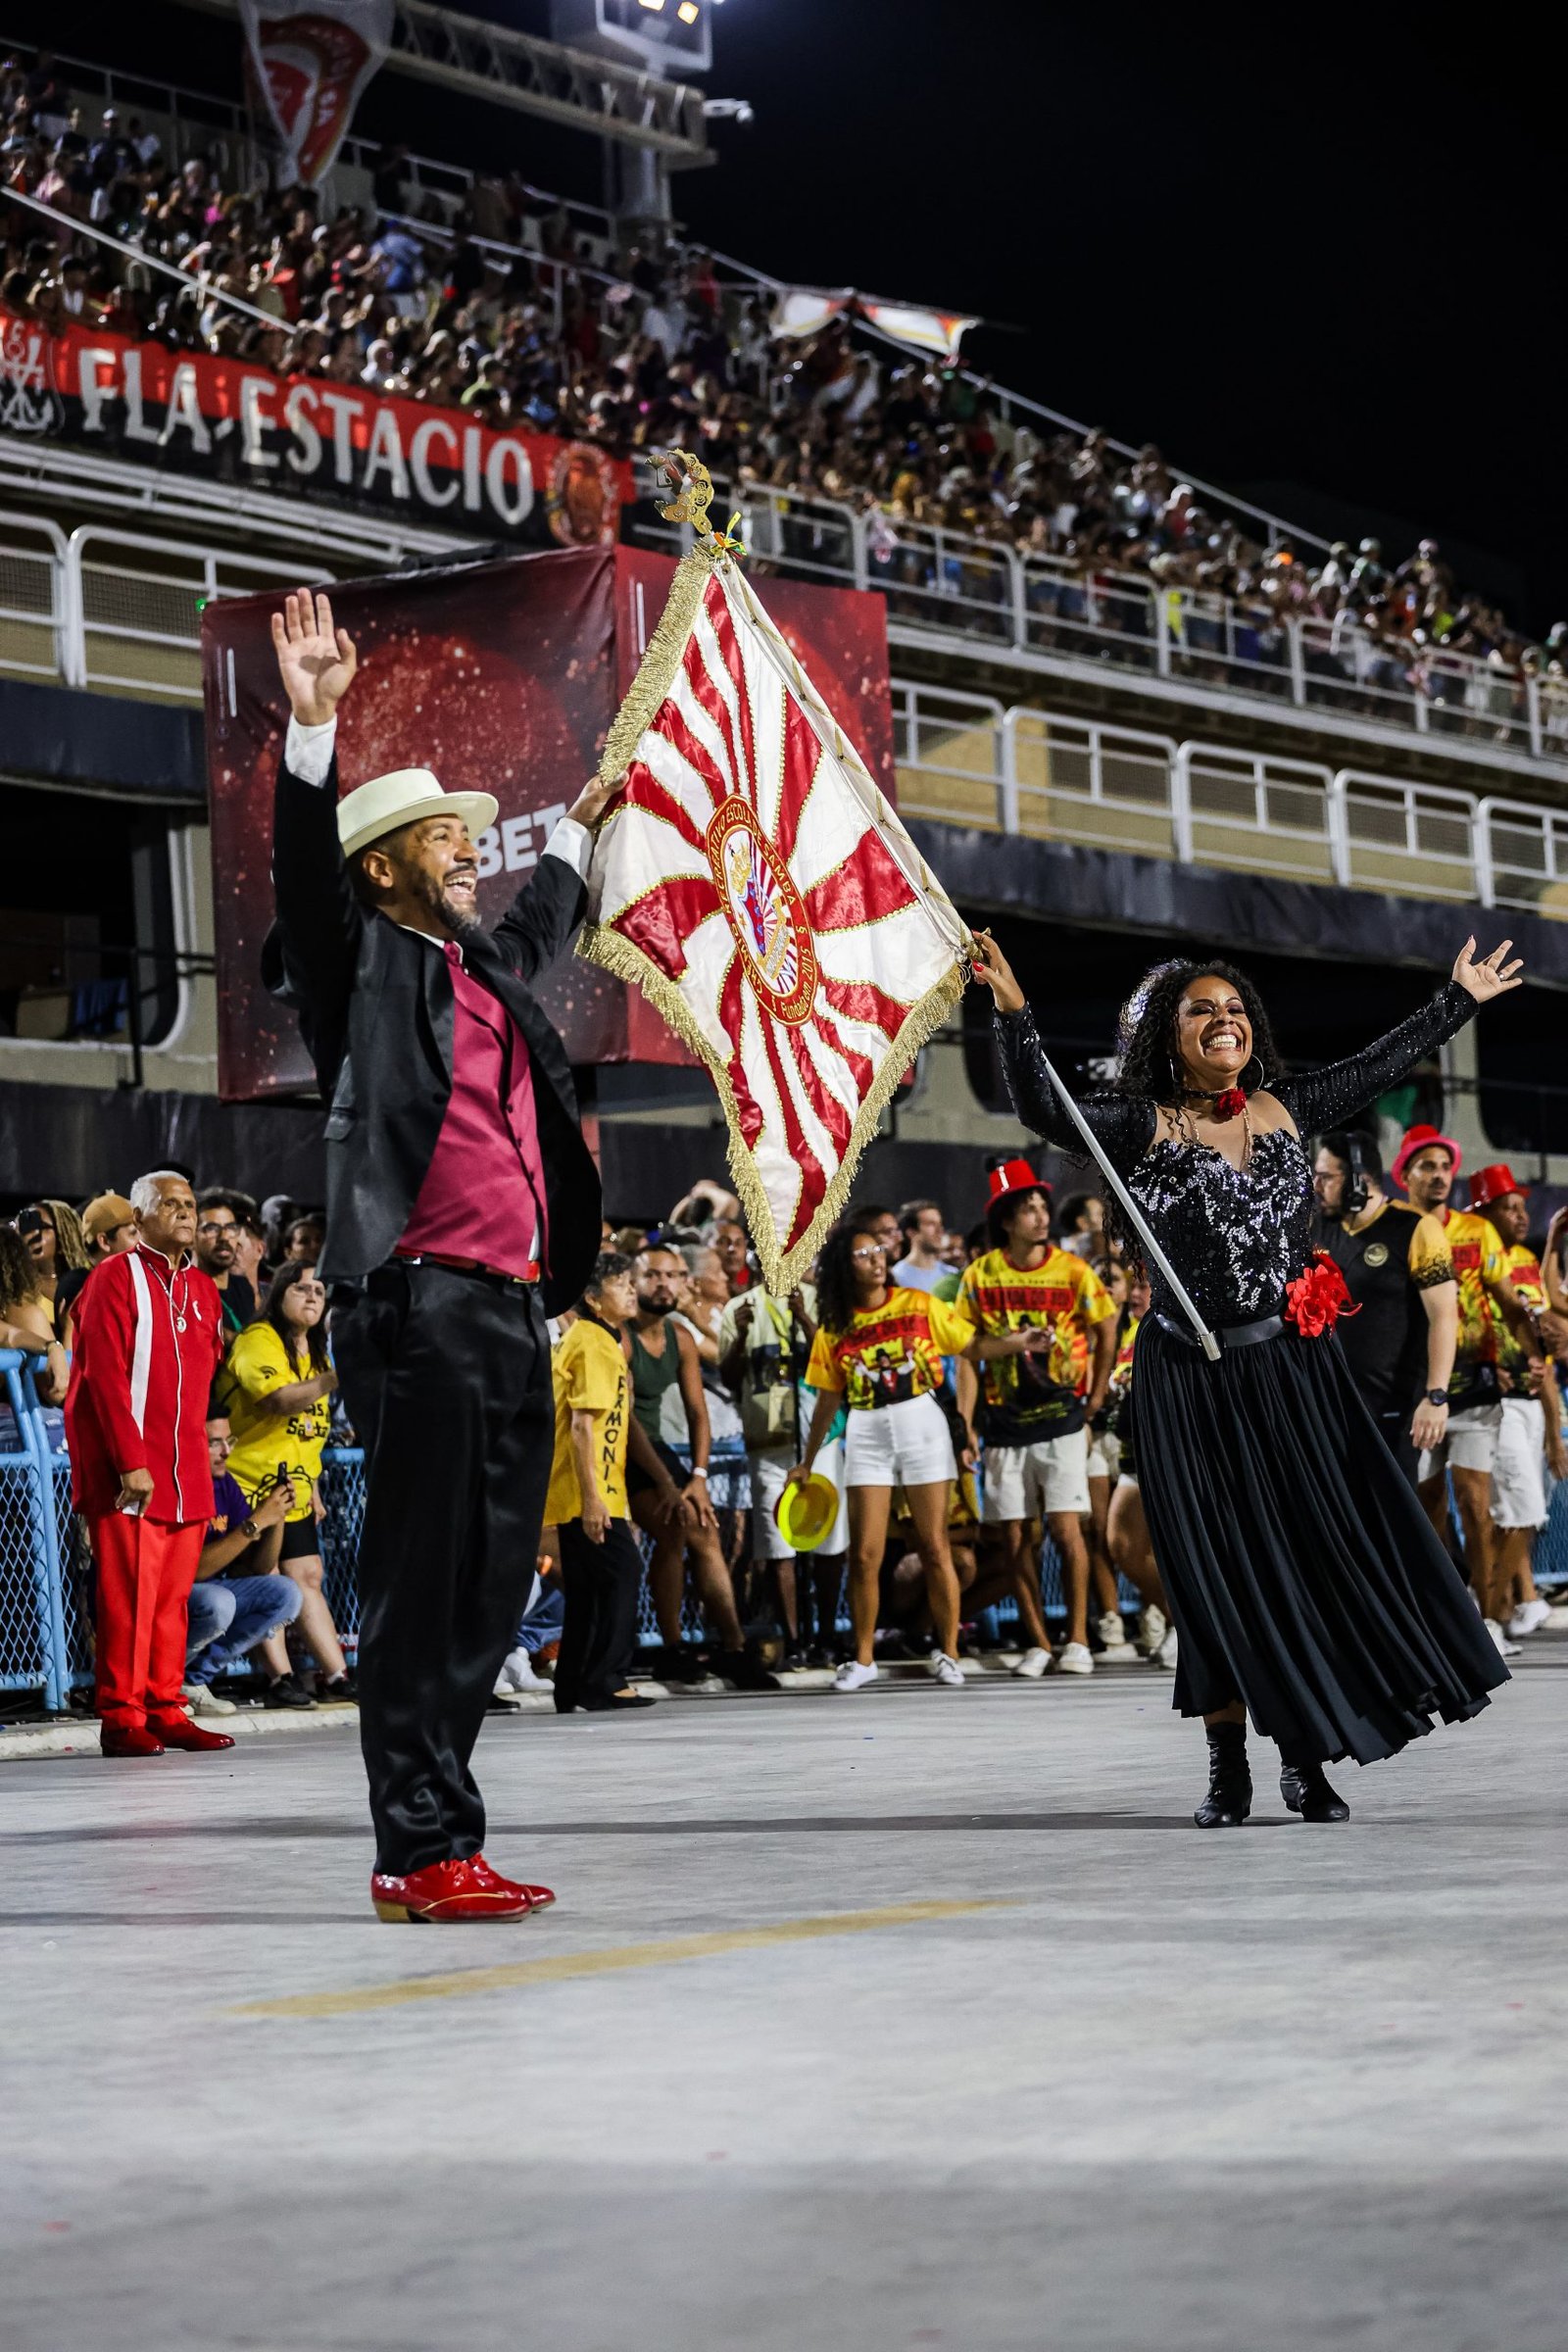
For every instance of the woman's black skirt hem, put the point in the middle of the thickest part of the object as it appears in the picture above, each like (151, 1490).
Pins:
(1302, 1573)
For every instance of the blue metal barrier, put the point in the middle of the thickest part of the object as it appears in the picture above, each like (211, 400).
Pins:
(32, 1632)
(44, 1643)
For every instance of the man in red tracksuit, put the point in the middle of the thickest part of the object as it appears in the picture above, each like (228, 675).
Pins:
(149, 1328)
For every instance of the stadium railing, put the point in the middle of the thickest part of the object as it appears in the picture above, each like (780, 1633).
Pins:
(122, 610)
(954, 584)
(971, 759)
(44, 1572)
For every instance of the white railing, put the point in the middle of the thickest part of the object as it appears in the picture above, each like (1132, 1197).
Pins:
(957, 585)
(963, 759)
(117, 609)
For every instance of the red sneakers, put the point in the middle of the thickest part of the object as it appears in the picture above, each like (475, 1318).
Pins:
(128, 1740)
(177, 1731)
(466, 1889)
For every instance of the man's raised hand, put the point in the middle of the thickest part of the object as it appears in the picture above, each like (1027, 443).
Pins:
(316, 661)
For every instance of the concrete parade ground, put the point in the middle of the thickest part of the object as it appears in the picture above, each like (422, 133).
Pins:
(920, 2018)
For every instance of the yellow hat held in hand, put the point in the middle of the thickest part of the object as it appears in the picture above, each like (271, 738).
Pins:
(805, 1510)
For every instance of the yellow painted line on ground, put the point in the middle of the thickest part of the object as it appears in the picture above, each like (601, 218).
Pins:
(560, 1968)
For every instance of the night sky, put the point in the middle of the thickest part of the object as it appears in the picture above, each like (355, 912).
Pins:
(1314, 250)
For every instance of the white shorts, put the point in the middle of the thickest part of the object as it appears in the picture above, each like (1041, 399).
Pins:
(1104, 1455)
(768, 1473)
(1518, 1489)
(1051, 1475)
(902, 1444)
(1471, 1442)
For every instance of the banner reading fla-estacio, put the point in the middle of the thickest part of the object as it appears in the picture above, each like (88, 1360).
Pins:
(230, 420)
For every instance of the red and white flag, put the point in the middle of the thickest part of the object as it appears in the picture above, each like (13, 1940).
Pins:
(310, 63)
(759, 889)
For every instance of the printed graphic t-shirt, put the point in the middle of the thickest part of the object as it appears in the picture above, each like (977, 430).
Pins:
(1477, 1256)
(591, 1377)
(1024, 1399)
(890, 1352)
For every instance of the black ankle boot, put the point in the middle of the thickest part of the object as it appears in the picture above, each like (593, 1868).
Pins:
(1307, 1793)
(1230, 1784)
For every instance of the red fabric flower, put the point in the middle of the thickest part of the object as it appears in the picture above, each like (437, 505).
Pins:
(1317, 1300)
(1230, 1104)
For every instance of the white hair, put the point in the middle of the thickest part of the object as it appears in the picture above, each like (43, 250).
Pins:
(145, 1192)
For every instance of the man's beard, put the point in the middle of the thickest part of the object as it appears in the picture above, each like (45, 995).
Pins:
(458, 922)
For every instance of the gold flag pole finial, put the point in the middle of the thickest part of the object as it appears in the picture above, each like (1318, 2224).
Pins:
(689, 478)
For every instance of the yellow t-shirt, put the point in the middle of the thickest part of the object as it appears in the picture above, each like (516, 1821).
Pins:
(1477, 1256)
(1024, 1399)
(591, 1377)
(891, 1351)
(258, 1363)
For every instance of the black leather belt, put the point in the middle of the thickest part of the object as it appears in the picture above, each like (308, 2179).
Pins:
(1230, 1335)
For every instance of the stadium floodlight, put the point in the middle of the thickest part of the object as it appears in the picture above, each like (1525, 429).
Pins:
(671, 37)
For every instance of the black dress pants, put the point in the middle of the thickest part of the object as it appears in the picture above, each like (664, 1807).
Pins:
(601, 1583)
(447, 1381)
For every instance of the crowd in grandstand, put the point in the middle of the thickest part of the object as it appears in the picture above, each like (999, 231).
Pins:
(1006, 1350)
(645, 349)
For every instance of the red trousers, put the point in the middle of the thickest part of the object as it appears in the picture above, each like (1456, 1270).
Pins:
(146, 1568)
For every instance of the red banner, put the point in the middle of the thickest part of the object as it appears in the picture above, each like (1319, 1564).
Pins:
(227, 416)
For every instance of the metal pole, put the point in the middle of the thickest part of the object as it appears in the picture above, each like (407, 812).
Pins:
(1157, 1255)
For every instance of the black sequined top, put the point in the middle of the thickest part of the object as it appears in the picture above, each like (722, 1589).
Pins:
(1236, 1235)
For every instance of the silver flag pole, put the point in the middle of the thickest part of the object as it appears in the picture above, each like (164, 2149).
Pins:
(1157, 1255)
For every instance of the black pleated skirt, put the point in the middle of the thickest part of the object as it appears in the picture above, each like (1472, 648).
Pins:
(1302, 1573)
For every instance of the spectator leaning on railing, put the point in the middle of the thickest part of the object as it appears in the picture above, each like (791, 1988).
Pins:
(275, 1386)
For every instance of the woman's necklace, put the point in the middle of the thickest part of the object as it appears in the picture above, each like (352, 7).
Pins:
(1224, 1106)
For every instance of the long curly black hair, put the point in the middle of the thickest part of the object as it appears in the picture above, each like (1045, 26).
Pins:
(1146, 1037)
(835, 1269)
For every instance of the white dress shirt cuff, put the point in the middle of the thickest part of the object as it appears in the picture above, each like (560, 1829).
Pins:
(307, 751)
(573, 843)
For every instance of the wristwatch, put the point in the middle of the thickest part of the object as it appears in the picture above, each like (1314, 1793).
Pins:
(250, 1530)
(1437, 1396)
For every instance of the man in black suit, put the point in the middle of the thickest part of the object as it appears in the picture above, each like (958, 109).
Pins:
(462, 1207)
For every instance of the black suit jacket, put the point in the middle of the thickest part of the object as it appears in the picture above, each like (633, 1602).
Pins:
(375, 1009)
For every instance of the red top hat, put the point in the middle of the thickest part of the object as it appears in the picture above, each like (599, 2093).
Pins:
(1490, 1183)
(1014, 1176)
(1418, 1138)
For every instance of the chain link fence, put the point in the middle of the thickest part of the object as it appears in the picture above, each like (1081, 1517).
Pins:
(45, 1570)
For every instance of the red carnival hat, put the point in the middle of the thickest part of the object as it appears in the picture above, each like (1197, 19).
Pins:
(1418, 1138)
(1492, 1184)
(1014, 1176)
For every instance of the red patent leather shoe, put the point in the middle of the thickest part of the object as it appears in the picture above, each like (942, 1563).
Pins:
(128, 1740)
(456, 1889)
(177, 1731)
(539, 1897)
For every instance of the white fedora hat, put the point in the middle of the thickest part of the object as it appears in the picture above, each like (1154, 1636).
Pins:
(373, 810)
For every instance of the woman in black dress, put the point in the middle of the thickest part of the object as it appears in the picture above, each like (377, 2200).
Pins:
(1308, 1586)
